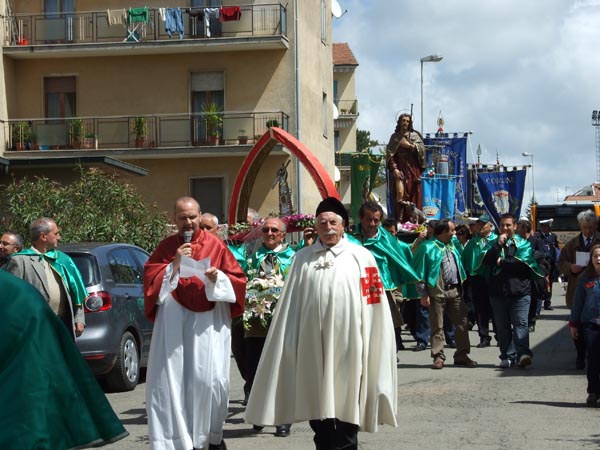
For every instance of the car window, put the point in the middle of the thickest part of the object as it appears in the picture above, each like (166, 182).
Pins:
(88, 267)
(141, 256)
(123, 267)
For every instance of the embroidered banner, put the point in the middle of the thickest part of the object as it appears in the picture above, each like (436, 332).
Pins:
(363, 173)
(502, 192)
(438, 196)
(450, 153)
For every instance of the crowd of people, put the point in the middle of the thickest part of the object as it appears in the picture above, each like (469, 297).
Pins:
(324, 333)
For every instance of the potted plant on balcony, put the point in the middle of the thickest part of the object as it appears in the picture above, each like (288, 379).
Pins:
(242, 138)
(272, 123)
(75, 127)
(21, 135)
(139, 131)
(213, 114)
(90, 141)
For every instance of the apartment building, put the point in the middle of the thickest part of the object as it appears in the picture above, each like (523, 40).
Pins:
(171, 94)
(346, 114)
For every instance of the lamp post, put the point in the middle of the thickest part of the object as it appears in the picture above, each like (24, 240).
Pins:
(430, 58)
(532, 179)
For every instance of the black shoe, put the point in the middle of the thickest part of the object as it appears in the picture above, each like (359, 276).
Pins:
(548, 307)
(419, 348)
(451, 344)
(580, 364)
(531, 327)
(282, 430)
(245, 401)
(484, 343)
(592, 400)
(257, 428)
(400, 346)
(220, 446)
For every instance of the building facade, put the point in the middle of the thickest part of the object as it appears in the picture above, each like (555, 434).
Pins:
(344, 68)
(172, 97)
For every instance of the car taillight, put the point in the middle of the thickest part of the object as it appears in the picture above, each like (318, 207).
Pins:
(97, 301)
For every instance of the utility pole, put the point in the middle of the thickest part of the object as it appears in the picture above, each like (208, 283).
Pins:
(596, 123)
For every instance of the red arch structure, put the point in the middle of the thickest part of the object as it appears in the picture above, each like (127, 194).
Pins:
(240, 197)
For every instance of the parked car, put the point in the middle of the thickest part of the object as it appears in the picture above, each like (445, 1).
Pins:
(116, 340)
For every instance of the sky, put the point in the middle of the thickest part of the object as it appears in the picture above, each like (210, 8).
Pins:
(521, 75)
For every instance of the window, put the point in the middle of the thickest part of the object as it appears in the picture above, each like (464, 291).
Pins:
(324, 114)
(336, 141)
(123, 267)
(324, 21)
(207, 90)
(209, 192)
(60, 97)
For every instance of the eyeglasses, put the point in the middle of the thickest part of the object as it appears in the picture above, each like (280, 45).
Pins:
(6, 244)
(271, 229)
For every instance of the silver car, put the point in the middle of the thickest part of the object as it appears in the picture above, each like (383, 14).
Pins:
(117, 336)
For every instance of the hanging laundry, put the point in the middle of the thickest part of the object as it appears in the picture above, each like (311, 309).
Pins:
(174, 22)
(163, 14)
(230, 13)
(116, 17)
(208, 14)
(138, 15)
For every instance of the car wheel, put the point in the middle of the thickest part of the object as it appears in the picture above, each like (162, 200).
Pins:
(125, 375)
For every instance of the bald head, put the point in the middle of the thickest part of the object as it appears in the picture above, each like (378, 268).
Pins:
(209, 223)
(186, 215)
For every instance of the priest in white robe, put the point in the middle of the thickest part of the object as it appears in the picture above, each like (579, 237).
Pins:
(330, 353)
(193, 286)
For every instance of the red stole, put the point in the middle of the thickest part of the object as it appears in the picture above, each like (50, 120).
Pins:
(190, 292)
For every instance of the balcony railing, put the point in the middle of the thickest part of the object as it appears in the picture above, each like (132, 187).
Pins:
(347, 107)
(94, 27)
(144, 131)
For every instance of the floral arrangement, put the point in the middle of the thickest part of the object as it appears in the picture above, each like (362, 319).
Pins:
(409, 227)
(298, 222)
(262, 293)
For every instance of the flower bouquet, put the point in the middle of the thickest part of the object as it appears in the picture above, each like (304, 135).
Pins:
(262, 294)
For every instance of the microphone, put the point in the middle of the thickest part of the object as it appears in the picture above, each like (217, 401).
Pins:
(187, 236)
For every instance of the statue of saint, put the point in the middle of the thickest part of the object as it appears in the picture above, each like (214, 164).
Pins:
(405, 156)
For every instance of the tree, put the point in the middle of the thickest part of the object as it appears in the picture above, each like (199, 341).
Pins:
(96, 207)
(364, 141)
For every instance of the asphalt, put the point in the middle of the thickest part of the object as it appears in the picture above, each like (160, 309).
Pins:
(540, 407)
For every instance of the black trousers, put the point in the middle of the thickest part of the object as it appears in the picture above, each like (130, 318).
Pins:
(483, 308)
(254, 347)
(333, 434)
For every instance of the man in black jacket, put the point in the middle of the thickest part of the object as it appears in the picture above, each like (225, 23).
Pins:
(512, 266)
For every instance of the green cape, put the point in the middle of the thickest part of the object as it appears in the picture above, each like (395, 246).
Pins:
(66, 268)
(393, 258)
(427, 260)
(283, 260)
(474, 252)
(524, 253)
(50, 398)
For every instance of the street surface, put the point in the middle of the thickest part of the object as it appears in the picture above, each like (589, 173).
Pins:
(541, 407)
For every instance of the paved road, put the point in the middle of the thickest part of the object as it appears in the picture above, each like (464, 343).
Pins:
(541, 407)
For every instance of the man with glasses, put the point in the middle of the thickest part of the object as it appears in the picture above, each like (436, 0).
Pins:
(9, 243)
(270, 262)
(53, 273)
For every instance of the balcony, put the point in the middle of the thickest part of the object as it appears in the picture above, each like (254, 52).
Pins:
(347, 113)
(168, 134)
(79, 33)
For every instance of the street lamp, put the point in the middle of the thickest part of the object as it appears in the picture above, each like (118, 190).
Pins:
(532, 179)
(430, 58)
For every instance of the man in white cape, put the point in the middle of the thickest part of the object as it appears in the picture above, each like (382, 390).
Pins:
(330, 353)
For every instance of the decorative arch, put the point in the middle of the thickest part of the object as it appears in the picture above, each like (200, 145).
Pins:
(244, 182)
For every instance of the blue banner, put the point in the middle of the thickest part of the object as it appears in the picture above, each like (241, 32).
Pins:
(502, 192)
(438, 196)
(455, 149)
